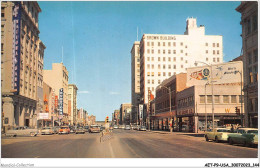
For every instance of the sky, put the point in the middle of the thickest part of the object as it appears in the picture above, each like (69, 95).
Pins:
(96, 39)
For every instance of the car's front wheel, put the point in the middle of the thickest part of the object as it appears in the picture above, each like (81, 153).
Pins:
(206, 137)
(216, 139)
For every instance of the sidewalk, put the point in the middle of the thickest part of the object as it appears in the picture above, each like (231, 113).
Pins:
(199, 134)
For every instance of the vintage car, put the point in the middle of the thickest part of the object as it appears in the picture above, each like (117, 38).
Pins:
(217, 134)
(47, 131)
(86, 128)
(64, 130)
(56, 129)
(115, 127)
(127, 127)
(245, 136)
(80, 130)
(94, 128)
(22, 131)
(142, 128)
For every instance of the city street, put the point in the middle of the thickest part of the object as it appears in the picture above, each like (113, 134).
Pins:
(123, 144)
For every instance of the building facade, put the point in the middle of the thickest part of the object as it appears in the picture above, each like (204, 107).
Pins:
(166, 109)
(116, 117)
(58, 78)
(20, 50)
(123, 108)
(249, 22)
(163, 55)
(135, 80)
(72, 103)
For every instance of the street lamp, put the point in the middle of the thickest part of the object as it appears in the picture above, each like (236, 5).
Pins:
(242, 123)
(211, 81)
(169, 90)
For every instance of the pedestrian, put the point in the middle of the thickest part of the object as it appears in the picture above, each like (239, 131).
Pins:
(232, 128)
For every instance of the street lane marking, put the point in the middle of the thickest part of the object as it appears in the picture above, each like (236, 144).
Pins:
(111, 150)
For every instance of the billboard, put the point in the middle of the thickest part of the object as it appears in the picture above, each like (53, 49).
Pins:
(43, 116)
(230, 72)
(141, 109)
(61, 101)
(16, 47)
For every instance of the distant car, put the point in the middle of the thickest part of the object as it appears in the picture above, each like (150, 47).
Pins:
(245, 136)
(127, 127)
(80, 130)
(47, 131)
(142, 128)
(94, 128)
(86, 128)
(218, 134)
(64, 130)
(22, 131)
(184, 128)
(135, 127)
(115, 127)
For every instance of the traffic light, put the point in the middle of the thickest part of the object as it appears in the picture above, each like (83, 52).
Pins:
(237, 110)
(107, 119)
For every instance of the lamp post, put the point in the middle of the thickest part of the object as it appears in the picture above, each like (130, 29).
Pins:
(206, 117)
(242, 123)
(211, 81)
(169, 90)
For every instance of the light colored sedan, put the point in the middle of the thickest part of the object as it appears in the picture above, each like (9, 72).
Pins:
(22, 131)
(47, 131)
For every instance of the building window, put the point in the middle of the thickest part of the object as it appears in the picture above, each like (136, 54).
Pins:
(214, 59)
(206, 44)
(159, 58)
(249, 26)
(174, 51)
(217, 59)
(159, 81)
(181, 43)
(148, 66)
(164, 59)
(254, 22)
(152, 51)
(255, 73)
(233, 98)
(181, 58)
(209, 99)
(250, 75)
(152, 73)
(207, 51)
(218, 52)
(159, 44)
(186, 54)
(148, 81)
(174, 44)
(217, 44)
(152, 66)
(181, 51)
(148, 58)
(164, 66)
(174, 59)
(169, 74)
(216, 98)
(159, 73)
(174, 66)
(152, 58)
(169, 58)
(255, 55)
(214, 52)
(181, 66)
(163, 43)
(152, 81)
(249, 58)
(202, 99)
(213, 44)
(2, 12)
(225, 99)
(148, 43)
(148, 51)
(159, 66)
(152, 43)
(169, 66)
(148, 73)
(163, 51)
(159, 51)
(164, 73)
(169, 43)
(169, 51)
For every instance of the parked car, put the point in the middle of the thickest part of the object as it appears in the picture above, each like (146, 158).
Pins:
(80, 130)
(217, 134)
(115, 127)
(22, 131)
(73, 129)
(245, 136)
(64, 130)
(127, 127)
(94, 128)
(47, 131)
(142, 128)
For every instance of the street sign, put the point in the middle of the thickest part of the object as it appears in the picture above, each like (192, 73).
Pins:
(61, 101)
(141, 109)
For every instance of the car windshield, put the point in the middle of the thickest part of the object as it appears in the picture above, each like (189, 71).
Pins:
(46, 128)
(253, 131)
(223, 130)
(64, 127)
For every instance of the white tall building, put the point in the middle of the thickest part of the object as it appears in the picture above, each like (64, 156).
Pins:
(163, 55)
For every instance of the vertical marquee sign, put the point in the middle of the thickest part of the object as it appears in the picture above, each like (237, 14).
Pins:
(61, 101)
(16, 47)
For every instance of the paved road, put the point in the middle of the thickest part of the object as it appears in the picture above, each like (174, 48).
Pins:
(123, 144)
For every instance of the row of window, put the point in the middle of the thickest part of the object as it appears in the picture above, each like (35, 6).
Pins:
(251, 24)
(169, 44)
(164, 66)
(214, 59)
(220, 99)
(152, 51)
(213, 44)
(163, 73)
(252, 57)
(188, 101)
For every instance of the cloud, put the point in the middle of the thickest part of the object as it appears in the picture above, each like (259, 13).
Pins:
(83, 91)
(114, 93)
